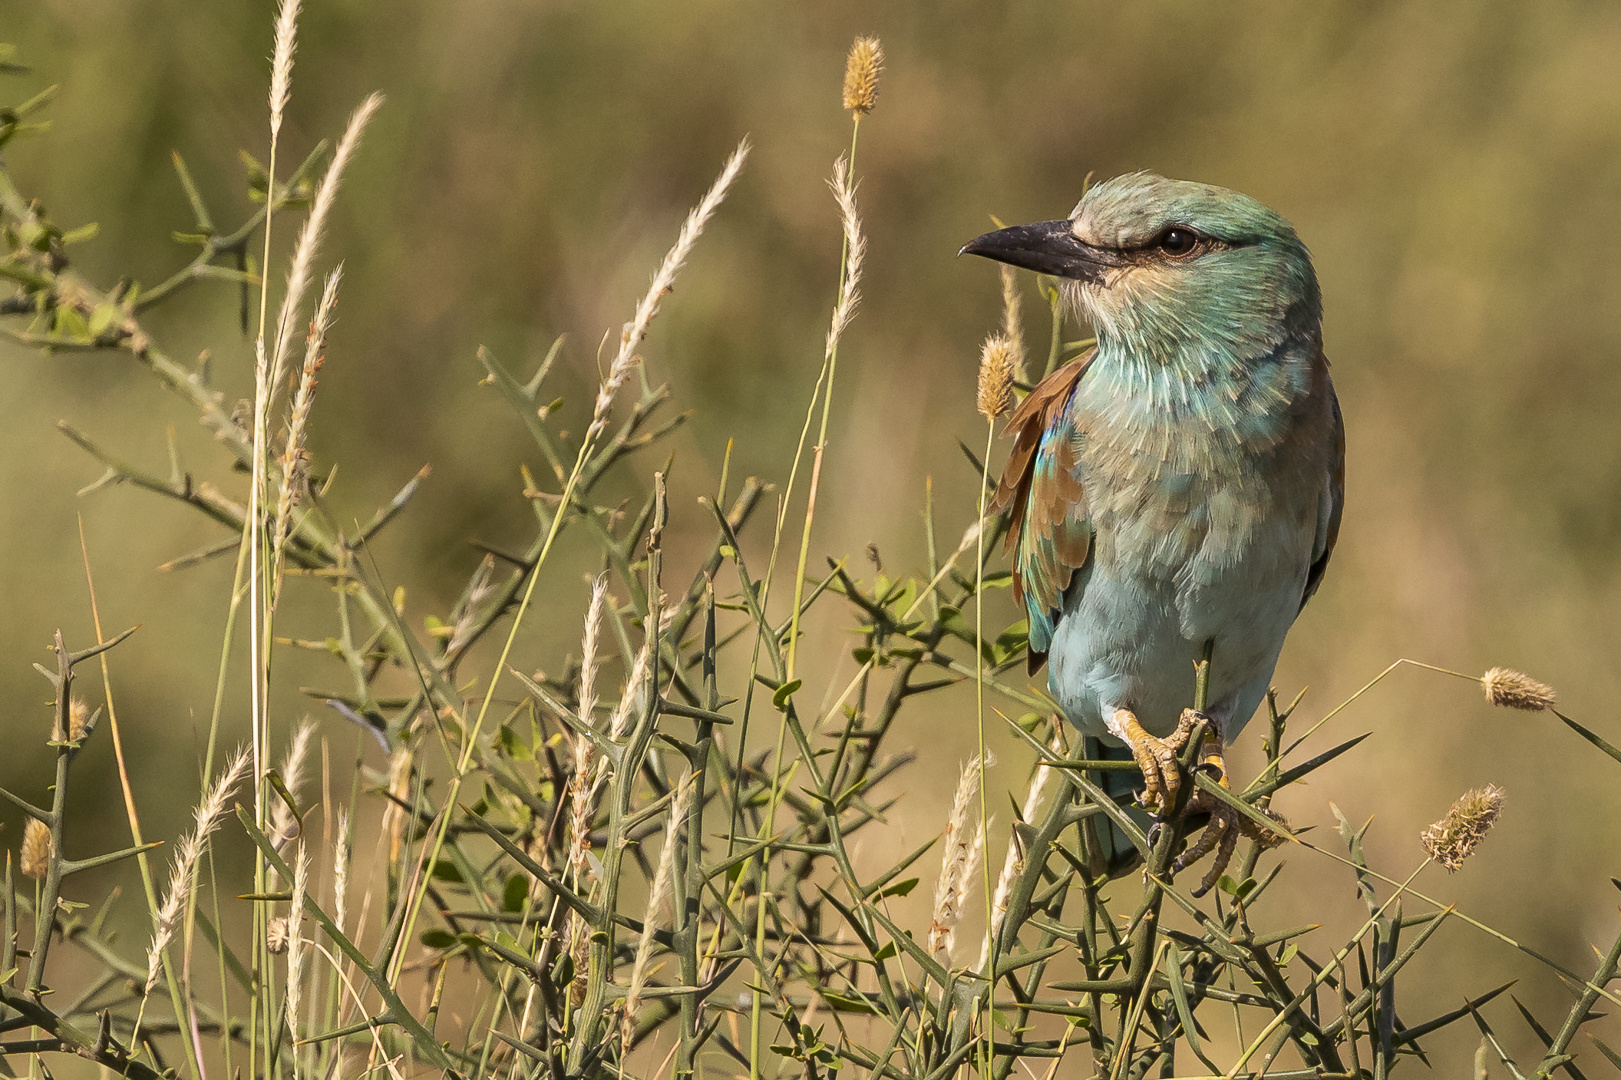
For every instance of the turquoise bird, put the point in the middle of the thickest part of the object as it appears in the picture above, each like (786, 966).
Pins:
(1181, 484)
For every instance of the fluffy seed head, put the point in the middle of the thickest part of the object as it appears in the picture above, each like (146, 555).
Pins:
(36, 852)
(1454, 838)
(1516, 690)
(996, 376)
(276, 935)
(78, 720)
(861, 71)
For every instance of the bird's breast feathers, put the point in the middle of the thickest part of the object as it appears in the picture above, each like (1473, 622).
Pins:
(1158, 508)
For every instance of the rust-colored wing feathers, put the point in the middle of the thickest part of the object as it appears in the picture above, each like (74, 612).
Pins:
(1048, 528)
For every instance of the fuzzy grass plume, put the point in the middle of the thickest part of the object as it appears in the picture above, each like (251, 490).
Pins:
(1512, 689)
(207, 816)
(996, 372)
(960, 849)
(663, 281)
(861, 71)
(1455, 837)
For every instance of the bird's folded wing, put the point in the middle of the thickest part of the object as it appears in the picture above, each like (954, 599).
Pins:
(1333, 502)
(1049, 531)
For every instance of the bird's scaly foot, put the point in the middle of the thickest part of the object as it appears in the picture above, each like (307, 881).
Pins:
(1156, 757)
(1226, 824)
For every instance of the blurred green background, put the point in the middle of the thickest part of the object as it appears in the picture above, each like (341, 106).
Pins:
(1455, 168)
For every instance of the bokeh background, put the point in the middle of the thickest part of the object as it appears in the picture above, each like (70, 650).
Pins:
(1454, 167)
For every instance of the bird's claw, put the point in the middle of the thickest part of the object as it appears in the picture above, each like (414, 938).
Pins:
(1162, 781)
(1225, 824)
(1156, 757)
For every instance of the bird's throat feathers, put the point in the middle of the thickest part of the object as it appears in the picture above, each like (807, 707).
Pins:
(1226, 349)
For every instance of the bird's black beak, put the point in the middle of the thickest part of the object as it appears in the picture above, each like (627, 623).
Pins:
(1047, 247)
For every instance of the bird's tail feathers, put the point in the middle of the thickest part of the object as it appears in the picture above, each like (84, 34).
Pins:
(1117, 852)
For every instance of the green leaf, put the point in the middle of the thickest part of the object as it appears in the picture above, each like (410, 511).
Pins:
(34, 234)
(101, 318)
(438, 939)
(69, 323)
(258, 175)
(515, 893)
(81, 234)
(784, 692)
(900, 888)
(445, 871)
(512, 746)
(841, 1003)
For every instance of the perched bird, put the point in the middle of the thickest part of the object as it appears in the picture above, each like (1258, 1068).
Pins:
(1180, 485)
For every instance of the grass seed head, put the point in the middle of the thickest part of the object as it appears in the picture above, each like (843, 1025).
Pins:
(1454, 838)
(996, 366)
(960, 851)
(861, 71)
(1516, 690)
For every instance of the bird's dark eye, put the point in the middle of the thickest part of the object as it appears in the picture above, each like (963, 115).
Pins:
(1179, 241)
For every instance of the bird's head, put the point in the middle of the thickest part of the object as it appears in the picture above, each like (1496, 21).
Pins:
(1170, 270)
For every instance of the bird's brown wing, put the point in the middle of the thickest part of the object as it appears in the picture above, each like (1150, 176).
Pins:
(1048, 530)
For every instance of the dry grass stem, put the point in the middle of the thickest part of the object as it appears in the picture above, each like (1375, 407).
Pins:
(1516, 690)
(861, 71)
(1454, 838)
(663, 282)
(207, 815)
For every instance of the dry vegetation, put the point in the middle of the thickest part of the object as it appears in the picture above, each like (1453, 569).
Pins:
(643, 858)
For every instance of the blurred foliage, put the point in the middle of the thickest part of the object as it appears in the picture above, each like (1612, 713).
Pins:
(1453, 166)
